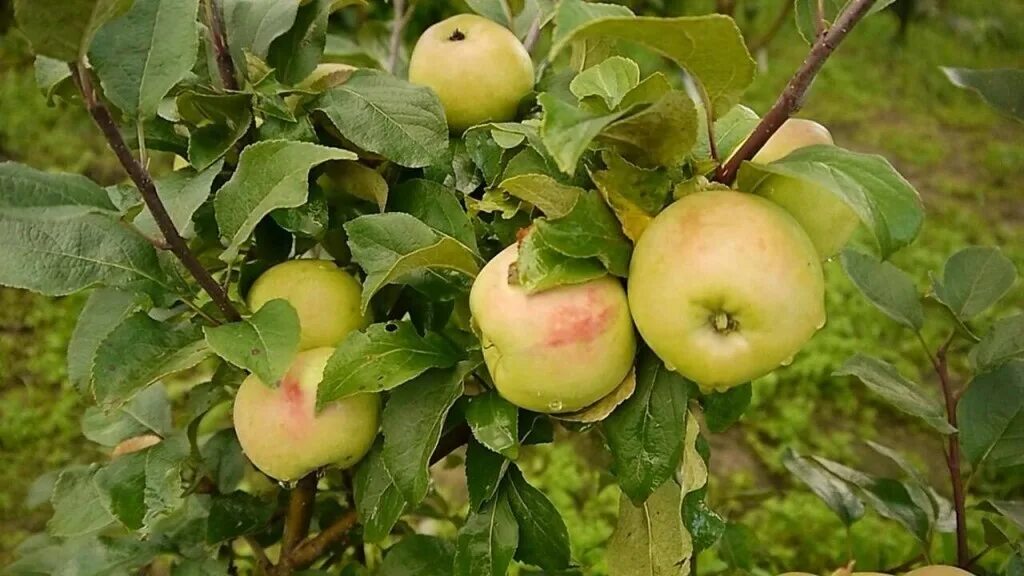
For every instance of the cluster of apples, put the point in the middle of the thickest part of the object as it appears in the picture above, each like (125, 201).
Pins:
(724, 286)
(936, 570)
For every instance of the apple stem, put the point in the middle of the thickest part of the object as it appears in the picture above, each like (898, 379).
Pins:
(792, 97)
(218, 38)
(144, 182)
(300, 512)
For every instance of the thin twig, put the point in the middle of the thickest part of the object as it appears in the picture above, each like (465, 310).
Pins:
(398, 23)
(821, 23)
(532, 35)
(792, 97)
(953, 456)
(144, 182)
(309, 551)
(263, 563)
(709, 111)
(774, 29)
(300, 512)
(219, 40)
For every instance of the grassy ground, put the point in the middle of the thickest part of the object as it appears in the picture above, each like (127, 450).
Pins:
(876, 96)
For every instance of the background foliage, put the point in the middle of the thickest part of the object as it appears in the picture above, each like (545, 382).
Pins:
(877, 95)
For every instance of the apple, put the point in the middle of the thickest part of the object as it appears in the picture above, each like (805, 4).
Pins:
(829, 221)
(938, 570)
(135, 444)
(326, 298)
(283, 434)
(554, 351)
(724, 287)
(477, 67)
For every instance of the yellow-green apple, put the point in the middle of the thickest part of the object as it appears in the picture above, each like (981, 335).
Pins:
(477, 67)
(724, 287)
(559, 350)
(938, 570)
(135, 444)
(326, 298)
(283, 434)
(828, 220)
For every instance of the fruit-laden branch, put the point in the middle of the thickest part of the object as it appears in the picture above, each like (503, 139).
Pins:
(953, 456)
(219, 39)
(144, 182)
(792, 97)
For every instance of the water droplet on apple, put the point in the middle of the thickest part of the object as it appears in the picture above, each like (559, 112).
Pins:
(787, 361)
(820, 324)
(555, 406)
(670, 367)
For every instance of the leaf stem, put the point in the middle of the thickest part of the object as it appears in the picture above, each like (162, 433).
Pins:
(219, 40)
(144, 182)
(953, 455)
(792, 97)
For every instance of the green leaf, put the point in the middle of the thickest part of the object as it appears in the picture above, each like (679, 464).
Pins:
(883, 379)
(418, 555)
(541, 267)
(636, 195)
(487, 541)
(378, 501)
(264, 344)
(806, 15)
(495, 423)
(567, 130)
(104, 311)
(723, 409)
(709, 47)
(590, 230)
(357, 180)
(705, 526)
(572, 14)
(140, 56)
(64, 29)
(650, 538)
(835, 493)
(1004, 342)
(78, 507)
(309, 220)
(382, 357)
(140, 351)
(888, 205)
(485, 469)
(29, 193)
(890, 289)
(270, 175)
(149, 412)
(93, 555)
(218, 124)
(412, 422)
(894, 500)
(142, 487)
(56, 258)
(252, 25)
(973, 280)
(1001, 88)
(735, 549)
(223, 460)
(396, 248)
(435, 206)
(388, 116)
(53, 78)
(731, 130)
(182, 193)
(1012, 510)
(236, 514)
(991, 417)
(645, 433)
(663, 134)
(543, 537)
(554, 199)
(610, 81)
(295, 54)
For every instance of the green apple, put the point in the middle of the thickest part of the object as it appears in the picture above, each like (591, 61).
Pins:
(829, 221)
(283, 434)
(477, 67)
(135, 444)
(938, 570)
(724, 287)
(555, 351)
(326, 298)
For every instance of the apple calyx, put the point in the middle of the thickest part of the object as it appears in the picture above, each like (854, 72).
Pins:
(723, 322)
(457, 36)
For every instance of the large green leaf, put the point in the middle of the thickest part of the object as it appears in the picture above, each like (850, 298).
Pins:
(142, 487)
(663, 134)
(834, 492)
(29, 193)
(710, 48)
(253, 24)
(1002, 88)
(567, 130)
(64, 29)
(140, 56)
(543, 537)
(270, 175)
(541, 267)
(378, 501)
(610, 81)
(1004, 342)
(883, 379)
(488, 540)
(485, 470)
(104, 311)
(388, 116)
(264, 344)
(382, 357)
(495, 423)
(650, 539)
(78, 506)
(437, 207)
(149, 412)
(590, 230)
(182, 193)
(890, 289)
(991, 417)
(973, 280)
(412, 423)
(550, 196)
(419, 555)
(888, 205)
(635, 194)
(57, 258)
(295, 54)
(645, 433)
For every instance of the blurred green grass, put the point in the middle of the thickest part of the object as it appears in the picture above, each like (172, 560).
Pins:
(875, 94)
